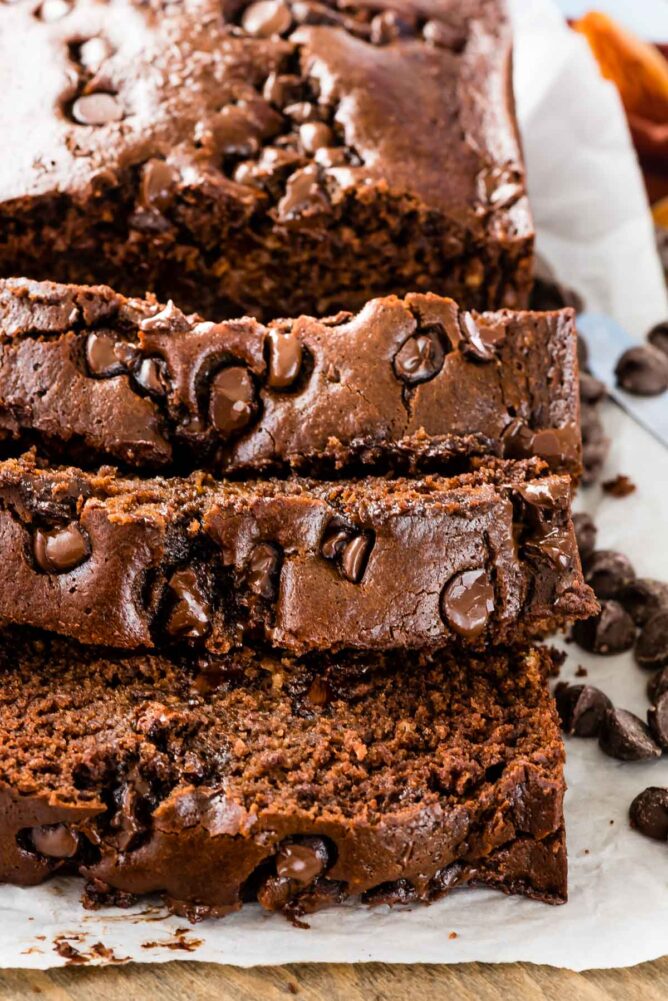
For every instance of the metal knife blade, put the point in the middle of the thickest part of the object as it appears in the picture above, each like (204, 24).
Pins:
(606, 340)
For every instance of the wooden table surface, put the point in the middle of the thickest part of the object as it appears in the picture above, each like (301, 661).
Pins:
(362, 982)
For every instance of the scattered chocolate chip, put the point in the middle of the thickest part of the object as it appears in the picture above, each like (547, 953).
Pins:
(152, 376)
(232, 400)
(61, 549)
(581, 709)
(444, 36)
(591, 390)
(53, 10)
(624, 736)
(102, 357)
(581, 672)
(620, 486)
(652, 647)
(585, 534)
(319, 693)
(419, 358)
(583, 353)
(314, 135)
(158, 181)
(349, 549)
(611, 631)
(302, 861)
(648, 813)
(190, 614)
(285, 358)
(595, 443)
(643, 370)
(657, 685)
(643, 597)
(608, 573)
(468, 601)
(657, 719)
(266, 18)
(482, 336)
(96, 109)
(93, 52)
(261, 572)
(55, 841)
(658, 336)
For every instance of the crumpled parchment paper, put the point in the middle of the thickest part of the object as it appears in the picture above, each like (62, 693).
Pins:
(595, 230)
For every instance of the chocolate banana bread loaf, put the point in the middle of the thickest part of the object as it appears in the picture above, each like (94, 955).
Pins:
(271, 157)
(488, 556)
(405, 385)
(222, 780)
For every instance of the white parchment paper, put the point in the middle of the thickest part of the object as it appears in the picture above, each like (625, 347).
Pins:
(594, 228)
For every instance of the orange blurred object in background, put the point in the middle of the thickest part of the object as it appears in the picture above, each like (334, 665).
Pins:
(640, 72)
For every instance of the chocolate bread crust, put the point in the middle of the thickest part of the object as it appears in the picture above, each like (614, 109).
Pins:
(406, 385)
(295, 784)
(303, 159)
(484, 557)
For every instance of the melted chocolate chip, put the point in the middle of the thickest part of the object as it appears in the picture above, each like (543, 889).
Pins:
(97, 109)
(624, 736)
(314, 135)
(482, 337)
(581, 709)
(266, 18)
(585, 534)
(611, 631)
(232, 400)
(281, 89)
(190, 615)
(102, 358)
(302, 861)
(152, 376)
(55, 841)
(444, 36)
(354, 557)
(642, 598)
(54, 10)
(275, 893)
(419, 358)
(348, 549)
(648, 813)
(285, 359)
(93, 52)
(468, 601)
(652, 647)
(643, 371)
(387, 26)
(657, 718)
(608, 573)
(61, 549)
(555, 445)
(304, 197)
(158, 182)
(261, 573)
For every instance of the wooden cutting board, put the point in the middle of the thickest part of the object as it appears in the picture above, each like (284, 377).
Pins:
(362, 982)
